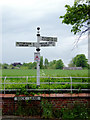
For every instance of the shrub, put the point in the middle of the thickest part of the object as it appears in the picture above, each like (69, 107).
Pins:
(79, 111)
(46, 109)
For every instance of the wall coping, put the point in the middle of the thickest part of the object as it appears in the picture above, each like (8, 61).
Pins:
(49, 95)
(7, 95)
(66, 95)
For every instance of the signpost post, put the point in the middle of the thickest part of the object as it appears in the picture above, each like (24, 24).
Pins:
(49, 41)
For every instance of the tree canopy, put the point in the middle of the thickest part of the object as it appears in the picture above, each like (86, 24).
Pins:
(79, 61)
(59, 64)
(46, 62)
(78, 16)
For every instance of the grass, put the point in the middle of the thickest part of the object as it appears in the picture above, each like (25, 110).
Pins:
(45, 72)
(18, 72)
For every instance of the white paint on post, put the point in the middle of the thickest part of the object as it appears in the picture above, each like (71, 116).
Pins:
(38, 73)
(4, 84)
(50, 41)
(71, 84)
(38, 62)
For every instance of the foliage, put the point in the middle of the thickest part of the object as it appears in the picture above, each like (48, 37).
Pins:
(5, 66)
(56, 73)
(82, 1)
(71, 64)
(55, 64)
(46, 63)
(0, 65)
(79, 111)
(77, 16)
(41, 62)
(47, 109)
(59, 64)
(52, 64)
(27, 110)
(30, 65)
(80, 61)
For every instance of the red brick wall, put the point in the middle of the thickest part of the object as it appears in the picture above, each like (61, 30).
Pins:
(67, 102)
(9, 106)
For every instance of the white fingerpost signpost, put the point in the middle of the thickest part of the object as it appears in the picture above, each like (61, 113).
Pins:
(49, 41)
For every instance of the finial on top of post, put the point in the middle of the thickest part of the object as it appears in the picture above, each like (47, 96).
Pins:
(38, 32)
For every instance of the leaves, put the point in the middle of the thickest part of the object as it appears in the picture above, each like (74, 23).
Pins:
(76, 15)
(80, 61)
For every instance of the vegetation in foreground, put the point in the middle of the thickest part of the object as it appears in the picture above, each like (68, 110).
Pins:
(47, 110)
(48, 73)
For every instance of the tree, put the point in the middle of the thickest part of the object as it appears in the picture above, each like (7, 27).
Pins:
(52, 64)
(11, 66)
(71, 64)
(5, 66)
(41, 62)
(32, 65)
(82, 1)
(80, 61)
(59, 64)
(78, 16)
(46, 63)
(0, 65)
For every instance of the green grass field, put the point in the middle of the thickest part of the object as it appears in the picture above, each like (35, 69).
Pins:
(45, 72)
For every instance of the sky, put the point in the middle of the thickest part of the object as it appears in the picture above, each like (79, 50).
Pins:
(19, 20)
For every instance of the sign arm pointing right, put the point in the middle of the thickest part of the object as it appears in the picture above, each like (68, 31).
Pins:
(49, 41)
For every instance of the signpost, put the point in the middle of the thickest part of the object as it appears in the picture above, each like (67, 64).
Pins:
(46, 44)
(54, 39)
(50, 41)
(26, 44)
(34, 44)
(37, 56)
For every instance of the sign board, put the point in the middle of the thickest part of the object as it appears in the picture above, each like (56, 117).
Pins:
(34, 44)
(27, 98)
(46, 44)
(53, 39)
(36, 56)
(26, 44)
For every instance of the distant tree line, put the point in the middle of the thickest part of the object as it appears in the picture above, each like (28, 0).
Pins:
(78, 61)
(55, 64)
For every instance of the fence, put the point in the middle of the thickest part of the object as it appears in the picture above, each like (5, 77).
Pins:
(49, 83)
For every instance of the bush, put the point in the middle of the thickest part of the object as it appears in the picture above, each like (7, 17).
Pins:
(46, 109)
(27, 110)
(79, 111)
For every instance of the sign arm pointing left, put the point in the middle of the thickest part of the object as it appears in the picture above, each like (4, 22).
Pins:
(50, 41)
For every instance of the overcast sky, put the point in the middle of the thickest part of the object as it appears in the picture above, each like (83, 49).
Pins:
(20, 18)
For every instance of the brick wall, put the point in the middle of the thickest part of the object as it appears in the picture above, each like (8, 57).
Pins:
(9, 105)
(67, 102)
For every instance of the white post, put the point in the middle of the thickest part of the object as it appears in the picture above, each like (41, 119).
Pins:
(38, 62)
(71, 84)
(38, 73)
(4, 84)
